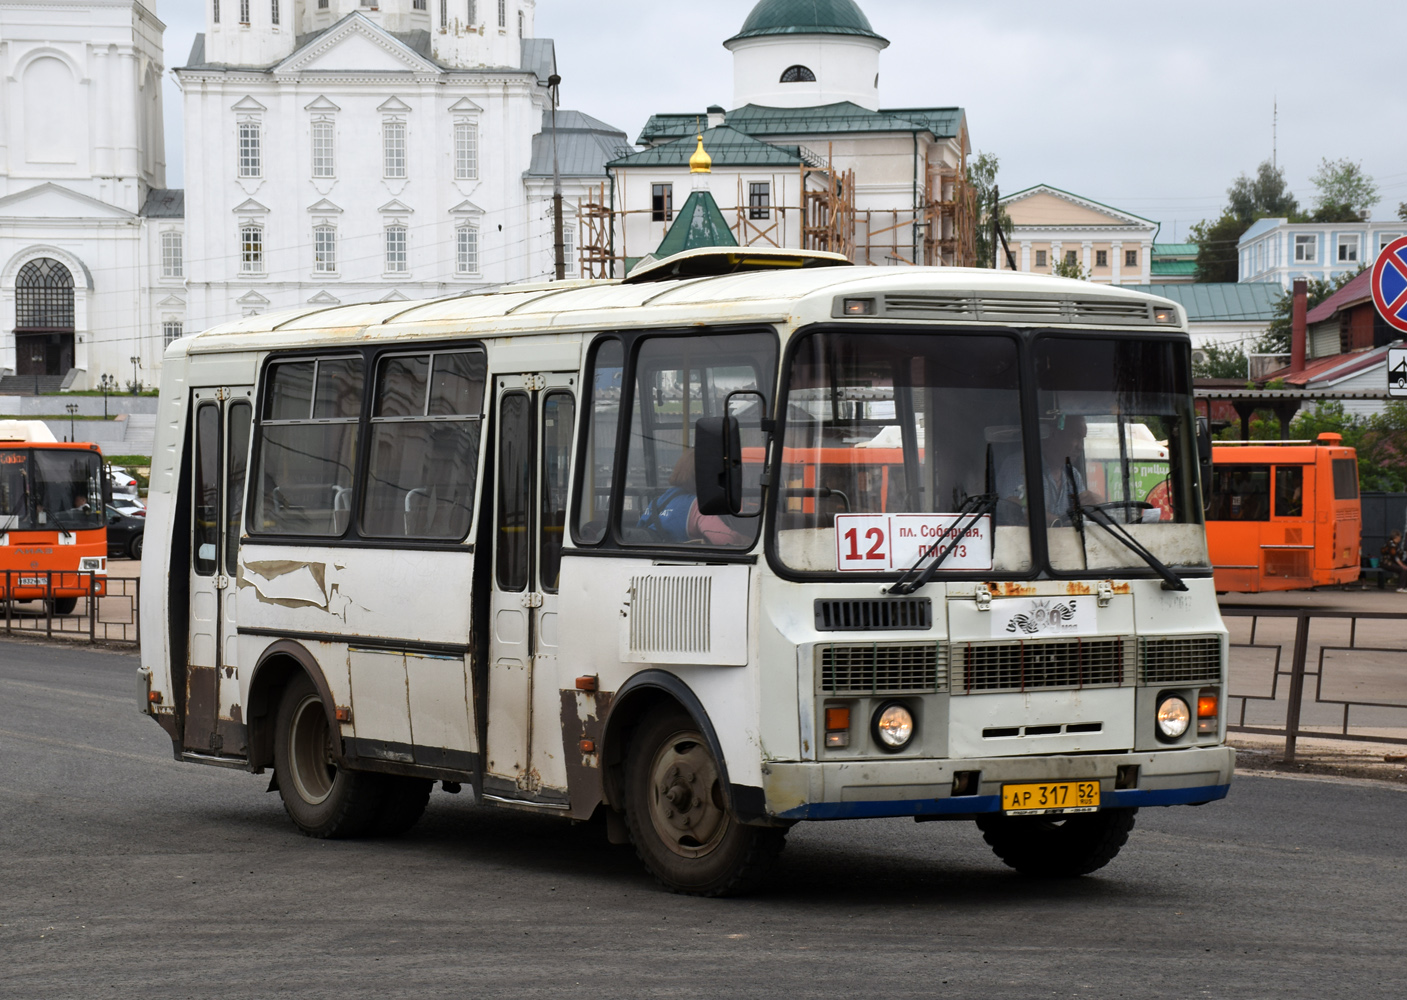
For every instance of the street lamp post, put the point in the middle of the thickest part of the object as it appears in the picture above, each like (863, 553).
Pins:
(559, 263)
(72, 408)
(136, 363)
(107, 384)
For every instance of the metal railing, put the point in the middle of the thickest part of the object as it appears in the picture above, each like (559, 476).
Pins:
(1371, 677)
(106, 610)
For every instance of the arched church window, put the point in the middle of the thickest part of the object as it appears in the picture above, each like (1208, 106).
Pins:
(44, 296)
(798, 74)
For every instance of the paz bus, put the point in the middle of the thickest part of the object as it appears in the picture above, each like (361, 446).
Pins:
(580, 547)
(1284, 515)
(53, 531)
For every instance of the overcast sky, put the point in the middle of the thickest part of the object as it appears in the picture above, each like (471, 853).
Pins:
(1152, 108)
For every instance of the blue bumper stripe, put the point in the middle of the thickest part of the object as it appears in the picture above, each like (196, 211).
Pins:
(967, 804)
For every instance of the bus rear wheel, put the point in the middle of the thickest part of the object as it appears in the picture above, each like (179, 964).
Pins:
(1057, 846)
(322, 799)
(677, 811)
(65, 605)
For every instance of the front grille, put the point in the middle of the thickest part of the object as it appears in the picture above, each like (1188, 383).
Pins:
(874, 668)
(873, 614)
(1029, 309)
(1191, 660)
(1036, 664)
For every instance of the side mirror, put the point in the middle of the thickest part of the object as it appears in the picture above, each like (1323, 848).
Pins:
(718, 465)
(1204, 459)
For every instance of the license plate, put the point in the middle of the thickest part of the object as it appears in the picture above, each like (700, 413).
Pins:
(1051, 797)
(31, 581)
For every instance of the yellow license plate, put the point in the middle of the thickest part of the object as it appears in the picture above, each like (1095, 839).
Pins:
(1051, 797)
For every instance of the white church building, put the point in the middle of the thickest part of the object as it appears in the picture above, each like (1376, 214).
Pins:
(91, 243)
(336, 151)
(339, 151)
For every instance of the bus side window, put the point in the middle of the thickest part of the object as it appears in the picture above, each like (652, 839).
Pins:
(1289, 491)
(307, 447)
(207, 488)
(425, 423)
(1242, 493)
(558, 422)
(602, 402)
(1345, 479)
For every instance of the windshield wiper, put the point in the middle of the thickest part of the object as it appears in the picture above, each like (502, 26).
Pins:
(1171, 581)
(974, 508)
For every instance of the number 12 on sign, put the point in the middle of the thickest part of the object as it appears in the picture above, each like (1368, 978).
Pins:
(877, 543)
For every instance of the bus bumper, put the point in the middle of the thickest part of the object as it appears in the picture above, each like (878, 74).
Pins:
(873, 788)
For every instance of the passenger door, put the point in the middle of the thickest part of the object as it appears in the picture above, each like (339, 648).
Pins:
(536, 416)
(219, 457)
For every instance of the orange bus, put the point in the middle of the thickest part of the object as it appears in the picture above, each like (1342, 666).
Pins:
(53, 529)
(1284, 515)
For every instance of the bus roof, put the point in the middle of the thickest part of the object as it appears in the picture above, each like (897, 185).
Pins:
(969, 296)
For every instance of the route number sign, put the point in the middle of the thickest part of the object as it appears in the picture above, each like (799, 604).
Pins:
(1390, 286)
(877, 543)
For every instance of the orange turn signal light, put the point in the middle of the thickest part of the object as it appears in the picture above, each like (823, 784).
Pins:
(343, 714)
(1206, 706)
(586, 683)
(837, 719)
(154, 697)
(588, 746)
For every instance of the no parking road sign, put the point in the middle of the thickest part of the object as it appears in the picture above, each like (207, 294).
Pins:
(1390, 284)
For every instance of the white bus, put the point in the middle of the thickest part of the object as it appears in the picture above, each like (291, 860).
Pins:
(747, 539)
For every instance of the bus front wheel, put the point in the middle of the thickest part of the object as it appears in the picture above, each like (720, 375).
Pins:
(1057, 846)
(65, 605)
(677, 811)
(322, 799)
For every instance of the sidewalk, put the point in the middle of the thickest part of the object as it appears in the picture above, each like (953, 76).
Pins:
(1322, 758)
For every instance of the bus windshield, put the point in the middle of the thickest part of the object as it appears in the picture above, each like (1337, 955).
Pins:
(50, 490)
(900, 424)
(1116, 434)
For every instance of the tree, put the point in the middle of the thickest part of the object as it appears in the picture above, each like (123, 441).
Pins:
(1402, 211)
(1265, 196)
(1247, 199)
(1380, 440)
(1346, 193)
(1278, 335)
(1068, 266)
(1220, 361)
(982, 176)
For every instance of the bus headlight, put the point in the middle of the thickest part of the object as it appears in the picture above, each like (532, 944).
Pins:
(893, 726)
(1173, 717)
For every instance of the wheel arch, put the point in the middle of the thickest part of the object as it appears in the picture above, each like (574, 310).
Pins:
(276, 666)
(647, 690)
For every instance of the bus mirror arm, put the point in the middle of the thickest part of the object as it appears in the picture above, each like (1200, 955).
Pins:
(1204, 459)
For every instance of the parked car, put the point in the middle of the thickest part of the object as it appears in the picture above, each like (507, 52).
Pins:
(122, 481)
(130, 506)
(124, 534)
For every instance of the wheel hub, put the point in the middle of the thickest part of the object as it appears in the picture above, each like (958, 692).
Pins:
(687, 808)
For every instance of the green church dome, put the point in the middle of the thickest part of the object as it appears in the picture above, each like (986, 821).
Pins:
(807, 17)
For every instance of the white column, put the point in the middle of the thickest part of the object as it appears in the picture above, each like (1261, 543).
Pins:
(1085, 255)
(1146, 249)
(1025, 255)
(1055, 252)
(1117, 249)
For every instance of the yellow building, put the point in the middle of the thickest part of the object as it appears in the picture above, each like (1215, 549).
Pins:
(1051, 225)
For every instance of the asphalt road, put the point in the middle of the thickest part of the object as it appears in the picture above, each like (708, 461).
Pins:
(124, 873)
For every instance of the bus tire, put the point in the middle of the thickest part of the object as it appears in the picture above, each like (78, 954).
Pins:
(677, 812)
(65, 605)
(404, 804)
(1058, 846)
(322, 799)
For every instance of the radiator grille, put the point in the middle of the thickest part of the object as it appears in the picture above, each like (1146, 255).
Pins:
(1035, 664)
(1191, 660)
(872, 668)
(1029, 309)
(871, 614)
(670, 614)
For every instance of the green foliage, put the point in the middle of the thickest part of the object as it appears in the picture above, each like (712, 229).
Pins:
(1346, 193)
(1402, 210)
(1264, 196)
(1380, 440)
(1220, 361)
(1276, 339)
(1216, 246)
(982, 175)
(1068, 266)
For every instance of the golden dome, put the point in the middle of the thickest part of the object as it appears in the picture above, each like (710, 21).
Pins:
(700, 162)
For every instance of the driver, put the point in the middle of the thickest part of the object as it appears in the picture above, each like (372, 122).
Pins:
(1064, 441)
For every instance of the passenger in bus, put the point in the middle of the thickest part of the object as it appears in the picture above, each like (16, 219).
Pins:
(1064, 440)
(674, 517)
(1394, 560)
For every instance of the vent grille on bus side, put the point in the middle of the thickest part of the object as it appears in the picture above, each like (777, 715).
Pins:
(873, 614)
(876, 668)
(670, 614)
(1032, 309)
(1032, 663)
(1191, 660)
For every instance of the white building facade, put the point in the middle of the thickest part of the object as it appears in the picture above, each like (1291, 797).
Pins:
(1051, 226)
(91, 243)
(338, 151)
(1280, 251)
